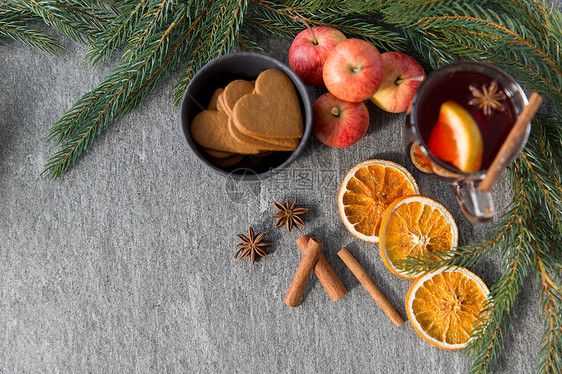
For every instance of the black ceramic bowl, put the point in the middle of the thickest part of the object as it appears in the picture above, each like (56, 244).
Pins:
(220, 72)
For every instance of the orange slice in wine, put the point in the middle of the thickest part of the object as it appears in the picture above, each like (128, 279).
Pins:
(456, 138)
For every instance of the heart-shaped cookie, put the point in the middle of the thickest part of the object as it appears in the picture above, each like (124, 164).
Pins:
(248, 141)
(272, 111)
(209, 129)
(221, 105)
(234, 91)
(291, 143)
(217, 154)
(214, 99)
(227, 161)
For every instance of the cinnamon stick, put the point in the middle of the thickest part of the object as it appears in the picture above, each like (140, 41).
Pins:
(511, 143)
(325, 273)
(370, 286)
(309, 258)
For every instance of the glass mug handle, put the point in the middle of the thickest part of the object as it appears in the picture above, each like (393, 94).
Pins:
(475, 204)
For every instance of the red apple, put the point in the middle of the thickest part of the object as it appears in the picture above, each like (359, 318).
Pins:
(309, 51)
(339, 123)
(354, 70)
(402, 77)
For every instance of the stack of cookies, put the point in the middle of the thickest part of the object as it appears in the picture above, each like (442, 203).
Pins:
(250, 118)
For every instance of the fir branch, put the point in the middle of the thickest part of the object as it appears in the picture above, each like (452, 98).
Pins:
(365, 7)
(67, 17)
(193, 64)
(550, 353)
(424, 43)
(216, 37)
(154, 17)
(115, 97)
(224, 23)
(121, 29)
(548, 266)
(269, 17)
(308, 5)
(103, 8)
(544, 188)
(518, 251)
(247, 43)
(15, 24)
(535, 15)
(541, 166)
(183, 48)
(490, 331)
(470, 31)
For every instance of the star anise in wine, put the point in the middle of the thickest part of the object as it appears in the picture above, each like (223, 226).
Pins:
(487, 99)
(251, 245)
(288, 215)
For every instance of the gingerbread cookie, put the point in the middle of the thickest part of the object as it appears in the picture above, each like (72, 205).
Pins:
(227, 161)
(209, 129)
(217, 154)
(234, 91)
(249, 118)
(291, 143)
(272, 111)
(221, 106)
(248, 141)
(214, 98)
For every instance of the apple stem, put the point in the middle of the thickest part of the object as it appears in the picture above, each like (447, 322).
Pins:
(335, 111)
(302, 20)
(417, 78)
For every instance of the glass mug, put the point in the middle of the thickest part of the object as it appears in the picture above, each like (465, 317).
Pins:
(465, 83)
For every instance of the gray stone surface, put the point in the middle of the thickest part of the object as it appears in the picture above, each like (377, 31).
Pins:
(125, 264)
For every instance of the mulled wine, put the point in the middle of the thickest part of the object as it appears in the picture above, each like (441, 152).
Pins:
(483, 96)
(459, 119)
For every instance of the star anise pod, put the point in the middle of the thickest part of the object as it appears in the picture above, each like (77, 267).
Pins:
(251, 245)
(488, 98)
(289, 215)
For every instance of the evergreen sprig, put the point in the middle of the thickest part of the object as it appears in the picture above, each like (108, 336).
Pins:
(117, 95)
(160, 36)
(81, 21)
(522, 43)
(216, 36)
(549, 278)
(16, 23)
(119, 30)
(518, 252)
(280, 19)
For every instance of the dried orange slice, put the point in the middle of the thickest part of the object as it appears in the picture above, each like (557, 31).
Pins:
(415, 226)
(367, 189)
(444, 306)
(456, 138)
(423, 163)
(419, 159)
